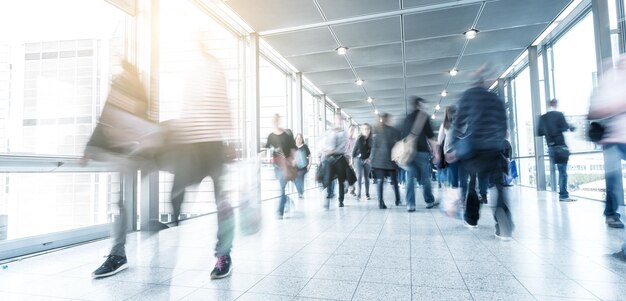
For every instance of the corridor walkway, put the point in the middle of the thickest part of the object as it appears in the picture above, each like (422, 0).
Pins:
(358, 252)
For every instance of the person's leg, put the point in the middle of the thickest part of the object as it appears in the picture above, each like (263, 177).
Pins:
(614, 191)
(410, 186)
(425, 171)
(380, 181)
(563, 194)
(394, 183)
(453, 175)
(300, 181)
(225, 219)
(283, 197)
(330, 190)
(483, 185)
(342, 192)
(359, 176)
(501, 214)
(472, 202)
(553, 178)
(366, 169)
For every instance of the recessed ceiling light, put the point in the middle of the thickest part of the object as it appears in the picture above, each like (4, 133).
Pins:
(380, 120)
(376, 111)
(369, 99)
(453, 72)
(444, 93)
(470, 34)
(359, 82)
(342, 50)
(432, 117)
(438, 107)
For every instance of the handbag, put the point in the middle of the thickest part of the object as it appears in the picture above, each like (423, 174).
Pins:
(404, 151)
(595, 132)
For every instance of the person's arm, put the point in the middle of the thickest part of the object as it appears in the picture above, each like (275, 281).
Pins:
(357, 148)
(540, 126)
(442, 134)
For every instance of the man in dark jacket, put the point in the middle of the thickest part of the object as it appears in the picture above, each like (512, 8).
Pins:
(480, 128)
(385, 137)
(552, 125)
(421, 167)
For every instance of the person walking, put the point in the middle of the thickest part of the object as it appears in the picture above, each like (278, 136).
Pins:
(282, 148)
(421, 166)
(351, 141)
(608, 107)
(361, 157)
(334, 159)
(480, 128)
(303, 163)
(385, 137)
(552, 125)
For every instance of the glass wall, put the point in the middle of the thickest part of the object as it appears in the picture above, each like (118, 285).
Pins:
(524, 128)
(55, 68)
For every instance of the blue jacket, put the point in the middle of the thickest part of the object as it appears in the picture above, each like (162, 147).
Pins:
(481, 116)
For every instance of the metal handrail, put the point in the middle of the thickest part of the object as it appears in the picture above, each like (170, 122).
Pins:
(571, 154)
(28, 163)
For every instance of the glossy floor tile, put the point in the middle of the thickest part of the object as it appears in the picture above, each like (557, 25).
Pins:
(559, 251)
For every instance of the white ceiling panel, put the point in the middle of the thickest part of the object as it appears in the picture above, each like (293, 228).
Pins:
(512, 13)
(504, 39)
(264, 15)
(475, 61)
(299, 42)
(392, 83)
(319, 62)
(341, 88)
(419, 3)
(331, 77)
(376, 55)
(427, 80)
(434, 48)
(341, 9)
(339, 97)
(443, 22)
(386, 93)
(381, 72)
(373, 32)
(433, 66)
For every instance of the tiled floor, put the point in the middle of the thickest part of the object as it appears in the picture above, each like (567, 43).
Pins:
(359, 252)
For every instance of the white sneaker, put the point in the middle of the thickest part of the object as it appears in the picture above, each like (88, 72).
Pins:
(503, 238)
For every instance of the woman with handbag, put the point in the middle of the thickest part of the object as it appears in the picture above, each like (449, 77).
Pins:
(282, 148)
(303, 163)
(384, 139)
(361, 156)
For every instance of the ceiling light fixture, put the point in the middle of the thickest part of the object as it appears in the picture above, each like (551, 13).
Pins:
(376, 111)
(359, 82)
(470, 34)
(438, 107)
(453, 72)
(444, 93)
(432, 117)
(369, 99)
(342, 50)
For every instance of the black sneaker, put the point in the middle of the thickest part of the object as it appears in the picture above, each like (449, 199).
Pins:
(340, 204)
(614, 222)
(113, 265)
(223, 267)
(432, 205)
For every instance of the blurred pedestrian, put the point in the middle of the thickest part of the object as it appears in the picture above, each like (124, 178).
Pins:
(335, 161)
(303, 163)
(361, 157)
(608, 107)
(552, 125)
(282, 148)
(421, 166)
(385, 137)
(349, 148)
(480, 127)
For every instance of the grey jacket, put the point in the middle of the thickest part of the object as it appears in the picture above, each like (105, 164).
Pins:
(384, 139)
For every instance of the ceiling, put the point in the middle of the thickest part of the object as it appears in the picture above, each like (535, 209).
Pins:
(398, 47)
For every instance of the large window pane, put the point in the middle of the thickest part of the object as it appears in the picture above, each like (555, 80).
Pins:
(56, 60)
(41, 203)
(524, 126)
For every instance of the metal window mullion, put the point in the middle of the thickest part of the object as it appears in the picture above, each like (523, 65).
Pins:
(533, 68)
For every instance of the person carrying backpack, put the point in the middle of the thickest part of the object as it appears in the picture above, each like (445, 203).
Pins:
(303, 163)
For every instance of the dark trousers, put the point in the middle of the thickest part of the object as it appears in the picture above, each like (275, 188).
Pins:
(300, 180)
(381, 174)
(494, 165)
(196, 162)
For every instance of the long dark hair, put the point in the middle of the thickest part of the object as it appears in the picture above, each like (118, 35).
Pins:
(449, 117)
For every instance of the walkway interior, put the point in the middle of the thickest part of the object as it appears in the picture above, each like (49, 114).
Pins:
(559, 252)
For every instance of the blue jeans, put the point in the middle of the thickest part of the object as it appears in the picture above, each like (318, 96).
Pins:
(363, 172)
(483, 183)
(420, 168)
(300, 180)
(283, 184)
(453, 174)
(562, 168)
(613, 154)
